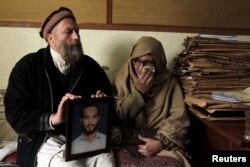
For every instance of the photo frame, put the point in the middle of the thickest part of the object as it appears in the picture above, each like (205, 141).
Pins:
(82, 120)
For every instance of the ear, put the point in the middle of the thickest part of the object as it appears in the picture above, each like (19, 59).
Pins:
(51, 41)
(49, 38)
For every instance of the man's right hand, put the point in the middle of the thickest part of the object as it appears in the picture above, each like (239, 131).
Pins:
(60, 115)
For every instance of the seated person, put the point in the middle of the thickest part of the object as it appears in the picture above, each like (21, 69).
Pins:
(90, 139)
(148, 96)
(40, 86)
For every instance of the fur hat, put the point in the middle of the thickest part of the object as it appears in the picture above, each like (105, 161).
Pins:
(53, 19)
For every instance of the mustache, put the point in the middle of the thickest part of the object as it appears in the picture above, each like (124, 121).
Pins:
(72, 53)
(90, 125)
(76, 42)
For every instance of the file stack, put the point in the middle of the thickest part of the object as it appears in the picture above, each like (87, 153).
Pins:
(215, 75)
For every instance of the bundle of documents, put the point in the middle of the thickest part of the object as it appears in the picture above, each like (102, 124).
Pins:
(215, 75)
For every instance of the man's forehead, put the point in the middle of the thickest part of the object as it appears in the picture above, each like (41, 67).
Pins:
(90, 109)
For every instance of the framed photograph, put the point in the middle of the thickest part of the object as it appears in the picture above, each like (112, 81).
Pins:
(88, 127)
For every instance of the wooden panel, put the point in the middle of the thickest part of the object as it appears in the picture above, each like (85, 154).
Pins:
(86, 11)
(184, 13)
(193, 16)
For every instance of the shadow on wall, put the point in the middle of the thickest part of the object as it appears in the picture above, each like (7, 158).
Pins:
(117, 57)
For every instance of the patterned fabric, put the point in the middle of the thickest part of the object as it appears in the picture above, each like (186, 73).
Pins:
(132, 158)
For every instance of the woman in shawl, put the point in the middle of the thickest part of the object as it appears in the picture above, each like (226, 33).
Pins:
(148, 96)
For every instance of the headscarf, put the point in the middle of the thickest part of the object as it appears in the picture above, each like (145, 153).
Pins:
(149, 45)
(126, 77)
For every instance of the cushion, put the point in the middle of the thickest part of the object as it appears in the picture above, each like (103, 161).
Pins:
(127, 156)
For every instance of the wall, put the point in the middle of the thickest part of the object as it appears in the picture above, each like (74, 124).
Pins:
(108, 47)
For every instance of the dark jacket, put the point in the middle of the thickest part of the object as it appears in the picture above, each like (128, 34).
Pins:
(34, 92)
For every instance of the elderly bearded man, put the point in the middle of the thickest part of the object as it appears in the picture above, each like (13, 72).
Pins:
(41, 84)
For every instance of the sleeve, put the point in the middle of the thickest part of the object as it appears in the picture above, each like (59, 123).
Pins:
(130, 105)
(21, 108)
(174, 129)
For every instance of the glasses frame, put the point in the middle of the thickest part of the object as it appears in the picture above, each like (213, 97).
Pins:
(138, 62)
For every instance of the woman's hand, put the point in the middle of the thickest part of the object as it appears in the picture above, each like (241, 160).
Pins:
(99, 94)
(151, 146)
(145, 80)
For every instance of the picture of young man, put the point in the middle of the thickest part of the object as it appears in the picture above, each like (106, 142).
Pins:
(90, 139)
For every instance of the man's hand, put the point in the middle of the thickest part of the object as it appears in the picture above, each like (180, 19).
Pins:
(60, 115)
(145, 80)
(151, 146)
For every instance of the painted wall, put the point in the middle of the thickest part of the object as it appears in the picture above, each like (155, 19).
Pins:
(109, 48)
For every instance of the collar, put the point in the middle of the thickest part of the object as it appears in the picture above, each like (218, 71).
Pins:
(60, 64)
(97, 136)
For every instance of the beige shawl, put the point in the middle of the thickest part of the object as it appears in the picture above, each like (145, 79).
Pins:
(162, 107)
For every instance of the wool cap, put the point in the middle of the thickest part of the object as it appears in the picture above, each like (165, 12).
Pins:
(53, 19)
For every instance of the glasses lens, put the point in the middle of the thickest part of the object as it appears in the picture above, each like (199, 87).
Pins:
(148, 63)
(137, 62)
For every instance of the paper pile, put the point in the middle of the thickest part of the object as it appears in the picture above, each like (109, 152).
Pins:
(215, 75)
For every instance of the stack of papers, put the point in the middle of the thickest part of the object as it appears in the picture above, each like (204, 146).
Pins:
(215, 75)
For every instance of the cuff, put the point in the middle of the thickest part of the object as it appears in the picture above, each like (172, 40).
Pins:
(166, 143)
(50, 122)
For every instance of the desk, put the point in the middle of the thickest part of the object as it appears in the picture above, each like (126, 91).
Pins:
(215, 136)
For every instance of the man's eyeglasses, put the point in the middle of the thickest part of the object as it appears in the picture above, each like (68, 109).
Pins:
(138, 62)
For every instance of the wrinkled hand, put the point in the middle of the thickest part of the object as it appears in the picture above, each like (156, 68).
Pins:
(60, 115)
(150, 148)
(145, 80)
(99, 94)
